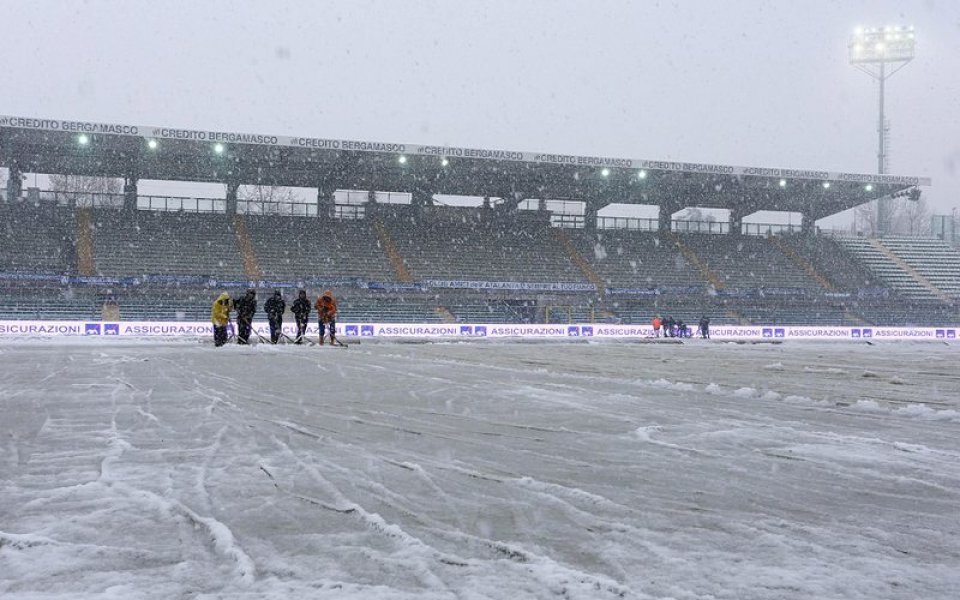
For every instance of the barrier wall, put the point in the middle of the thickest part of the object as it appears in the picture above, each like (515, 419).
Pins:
(132, 329)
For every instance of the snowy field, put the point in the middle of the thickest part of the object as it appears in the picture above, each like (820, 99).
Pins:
(170, 469)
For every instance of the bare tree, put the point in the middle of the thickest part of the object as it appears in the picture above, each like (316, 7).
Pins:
(85, 191)
(696, 214)
(912, 217)
(865, 219)
(267, 199)
(85, 185)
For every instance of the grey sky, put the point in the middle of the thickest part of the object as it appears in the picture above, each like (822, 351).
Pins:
(746, 83)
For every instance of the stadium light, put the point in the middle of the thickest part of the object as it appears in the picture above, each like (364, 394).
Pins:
(402, 160)
(218, 148)
(642, 174)
(605, 172)
(783, 183)
(879, 46)
(83, 140)
(152, 144)
(868, 187)
(880, 52)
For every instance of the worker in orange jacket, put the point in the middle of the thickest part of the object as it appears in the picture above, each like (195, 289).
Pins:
(326, 306)
(656, 325)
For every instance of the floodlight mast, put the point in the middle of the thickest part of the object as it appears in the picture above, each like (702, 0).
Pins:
(871, 51)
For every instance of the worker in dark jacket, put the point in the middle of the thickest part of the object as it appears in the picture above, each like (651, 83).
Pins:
(301, 311)
(246, 307)
(274, 308)
(681, 329)
(704, 327)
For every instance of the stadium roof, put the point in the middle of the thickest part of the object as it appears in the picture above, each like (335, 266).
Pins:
(165, 153)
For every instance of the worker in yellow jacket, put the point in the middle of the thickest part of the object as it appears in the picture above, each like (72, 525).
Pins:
(220, 316)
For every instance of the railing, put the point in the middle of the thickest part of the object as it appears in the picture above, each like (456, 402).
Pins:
(116, 201)
(286, 209)
(628, 223)
(179, 204)
(716, 227)
(677, 225)
(356, 197)
(82, 199)
(764, 229)
(349, 212)
(567, 221)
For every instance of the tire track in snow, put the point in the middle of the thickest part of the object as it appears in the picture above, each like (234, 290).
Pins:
(549, 573)
(201, 482)
(409, 544)
(221, 536)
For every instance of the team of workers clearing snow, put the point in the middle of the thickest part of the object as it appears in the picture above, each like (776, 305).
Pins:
(676, 328)
(246, 307)
(326, 307)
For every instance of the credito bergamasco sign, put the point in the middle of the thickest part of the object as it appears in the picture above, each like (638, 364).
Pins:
(230, 137)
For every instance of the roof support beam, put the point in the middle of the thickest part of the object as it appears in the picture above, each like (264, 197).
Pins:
(14, 182)
(232, 187)
(807, 223)
(665, 215)
(325, 200)
(130, 193)
(737, 214)
(590, 216)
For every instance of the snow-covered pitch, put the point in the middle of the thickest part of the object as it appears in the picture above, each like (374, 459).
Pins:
(171, 469)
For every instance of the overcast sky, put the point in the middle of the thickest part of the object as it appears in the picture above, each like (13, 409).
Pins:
(757, 83)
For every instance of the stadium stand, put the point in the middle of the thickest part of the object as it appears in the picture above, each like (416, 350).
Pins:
(37, 239)
(796, 313)
(163, 302)
(932, 259)
(832, 261)
(631, 310)
(297, 248)
(166, 244)
(47, 300)
(461, 244)
(872, 254)
(748, 262)
(908, 314)
(633, 259)
(490, 311)
(385, 308)
(170, 256)
(413, 255)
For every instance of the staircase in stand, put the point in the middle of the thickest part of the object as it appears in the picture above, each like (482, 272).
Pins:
(251, 268)
(578, 259)
(694, 260)
(856, 319)
(739, 318)
(803, 263)
(86, 265)
(913, 273)
(396, 261)
(445, 315)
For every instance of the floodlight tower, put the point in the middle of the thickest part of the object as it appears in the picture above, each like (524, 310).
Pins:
(880, 52)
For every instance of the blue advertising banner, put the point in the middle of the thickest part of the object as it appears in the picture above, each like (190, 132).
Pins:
(99, 329)
(509, 285)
